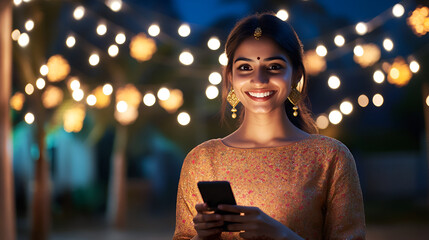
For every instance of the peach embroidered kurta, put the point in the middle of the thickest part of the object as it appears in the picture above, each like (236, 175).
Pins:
(310, 186)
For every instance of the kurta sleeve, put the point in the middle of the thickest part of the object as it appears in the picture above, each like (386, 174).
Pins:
(345, 217)
(186, 200)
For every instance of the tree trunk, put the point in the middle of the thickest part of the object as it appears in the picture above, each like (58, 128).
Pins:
(7, 204)
(40, 218)
(116, 206)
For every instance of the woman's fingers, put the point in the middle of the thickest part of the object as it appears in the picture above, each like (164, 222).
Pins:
(238, 209)
(208, 225)
(201, 207)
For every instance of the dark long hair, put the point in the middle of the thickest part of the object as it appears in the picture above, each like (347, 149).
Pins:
(285, 36)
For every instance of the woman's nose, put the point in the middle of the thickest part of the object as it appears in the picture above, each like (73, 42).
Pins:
(260, 77)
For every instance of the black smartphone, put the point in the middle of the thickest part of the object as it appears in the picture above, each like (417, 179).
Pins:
(215, 193)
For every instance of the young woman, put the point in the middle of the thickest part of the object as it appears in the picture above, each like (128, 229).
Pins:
(288, 181)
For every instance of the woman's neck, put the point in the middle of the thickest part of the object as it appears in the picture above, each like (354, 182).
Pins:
(263, 130)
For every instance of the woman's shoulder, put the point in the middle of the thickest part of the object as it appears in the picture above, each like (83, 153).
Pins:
(207, 146)
(330, 144)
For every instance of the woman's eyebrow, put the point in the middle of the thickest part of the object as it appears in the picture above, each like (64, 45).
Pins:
(276, 58)
(243, 59)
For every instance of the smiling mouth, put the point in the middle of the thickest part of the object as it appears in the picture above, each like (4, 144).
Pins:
(260, 95)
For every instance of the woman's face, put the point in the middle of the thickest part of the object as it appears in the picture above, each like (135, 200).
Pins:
(261, 75)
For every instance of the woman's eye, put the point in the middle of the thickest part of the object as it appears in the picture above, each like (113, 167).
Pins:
(245, 67)
(275, 67)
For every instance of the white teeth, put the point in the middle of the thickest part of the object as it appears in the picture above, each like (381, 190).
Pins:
(261, 94)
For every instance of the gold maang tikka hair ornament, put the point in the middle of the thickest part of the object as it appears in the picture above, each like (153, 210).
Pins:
(258, 33)
(233, 100)
(294, 98)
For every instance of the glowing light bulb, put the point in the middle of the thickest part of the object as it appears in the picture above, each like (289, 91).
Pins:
(388, 44)
(149, 99)
(44, 70)
(377, 100)
(223, 59)
(23, 40)
(114, 5)
(213, 43)
(183, 118)
(339, 40)
(282, 14)
(29, 89)
(358, 50)
(414, 66)
(378, 76)
(78, 95)
(107, 89)
(74, 85)
(184, 30)
(120, 38)
(71, 41)
(215, 78)
(334, 82)
(79, 12)
(29, 25)
(321, 50)
(29, 118)
(398, 10)
(94, 59)
(101, 29)
(91, 100)
(346, 107)
(40, 83)
(15, 34)
(335, 117)
(17, 2)
(212, 92)
(186, 58)
(322, 122)
(163, 94)
(363, 100)
(113, 50)
(121, 106)
(154, 30)
(361, 28)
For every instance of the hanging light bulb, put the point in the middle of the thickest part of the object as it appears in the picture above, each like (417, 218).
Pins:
(79, 12)
(321, 50)
(184, 30)
(339, 40)
(186, 58)
(154, 30)
(282, 14)
(213, 43)
(361, 28)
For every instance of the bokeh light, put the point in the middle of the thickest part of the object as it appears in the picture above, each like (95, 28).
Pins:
(113, 50)
(163, 94)
(427, 100)
(52, 97)
(388, 44)
(314, 64)
(114, 5)
(23, 40)
(183, 118)
(321, 50)
(377, 100)
(40, 83)
(334, 82)
(78, 95)
(335, 117)
(15, 34)
(74, 83)
(414, 66)
(44, 70)
(79, 12)
(173, 102)
(339, 40)
(154, 30)
(369, 55)
(223, 59)
(58, 67)
(282, 14)
(73, 118)
(29, 118)
(94, 59)
(101, 29)
(102, 100)
(142, 47)
(17, 101)
(186, 58)
(346, 107)
(398, 10)
(378, 76)
(184, 30)
(149, 99)
(107, 89)
(70, 41)
(212, 92)
(121, 106)
(358, 50)
(91, 100)
(213, 43)
(120, 38)
(215, 78)
(29, 25)
(399, 72)
(361, 28)
(363, 100)
(419, 21)
(322, 121)
(29, 89)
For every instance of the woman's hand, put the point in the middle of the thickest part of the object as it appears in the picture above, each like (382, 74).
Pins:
(207, 224)
(255, 224)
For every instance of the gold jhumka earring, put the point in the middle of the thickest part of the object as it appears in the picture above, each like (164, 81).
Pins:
(258, 33)
(294, 98)
(233, 100)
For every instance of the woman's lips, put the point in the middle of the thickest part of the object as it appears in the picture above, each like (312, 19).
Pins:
(259, 95)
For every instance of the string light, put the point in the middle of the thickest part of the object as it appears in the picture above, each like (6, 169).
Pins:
(339, 40)
(17, 101)
(114, 5)
(282, 14)
(363, 100)
(223, 59)
(361, 28)
(79, 12)
(29, 118)
(29, 25)
(370, 55)
(377, 100)
(213, 43)
(142, 47)
(212, 92)
(91, 100)
(334, 82)
(52, 97)
(321, 50)
(215, 78)
(44, 70)
(23, 40)
(184, 30)
(29, 89)
(346, 107)
(73, 118)
(398, 10)
(388, 44)
(314, 64)
(358, 50)
(186, 58)
(399, 72)
(107, 89)
(15, 35)
(414, 66)
(163, 94)
(174, 101)
(121, 106)
(101, 29)
(322, 121)
(40, 83)
(17, 2)
(78, 95)
(74, 84)
(378, 76)
(58, 67)
(183, 118)
(120, 38)
(70, 41)
(154, 30)
(113, 50)
(94, 59)
(335, 117)
(418, 21)
(149, 99)
(103, 100)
